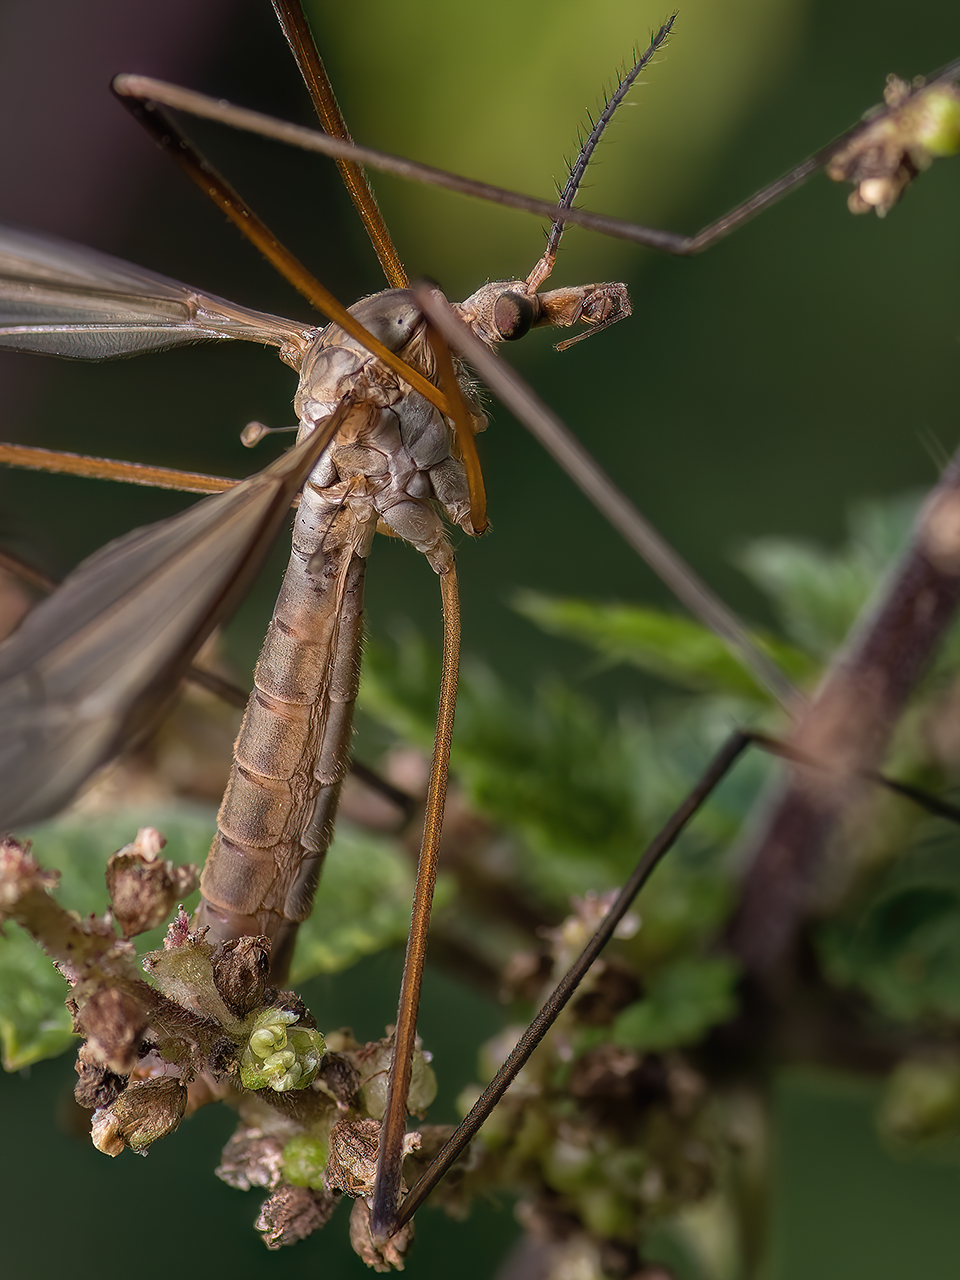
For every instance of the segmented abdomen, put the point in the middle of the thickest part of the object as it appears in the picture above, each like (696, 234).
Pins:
(292, 753)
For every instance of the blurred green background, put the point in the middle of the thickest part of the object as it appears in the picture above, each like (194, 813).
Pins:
(806, 363)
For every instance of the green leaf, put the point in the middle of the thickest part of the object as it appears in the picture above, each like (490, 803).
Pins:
(548, 768)
(904, 951)
(34, 1024)
(682, 1002)
(665, 644)
(818, 593)
(580, 793)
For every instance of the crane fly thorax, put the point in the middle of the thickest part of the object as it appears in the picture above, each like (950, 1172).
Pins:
(393, 453)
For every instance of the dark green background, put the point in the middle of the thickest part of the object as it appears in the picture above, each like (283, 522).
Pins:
(806, 363)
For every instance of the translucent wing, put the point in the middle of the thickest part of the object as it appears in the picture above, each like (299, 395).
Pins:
(60, 299)
(91, 669)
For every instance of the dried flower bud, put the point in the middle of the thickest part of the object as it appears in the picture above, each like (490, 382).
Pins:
(113, 1023)
(145, 1112)
(178, 931)
(251, 1159)
(105, 1133)
(97, 1086)
(222, 1058)
(280, 1054)
(340, 1078)
(611, 1075)
(290, 1002)
(386, 1256)
(352, 1166)
(354, 1147)
(143, 887)
(883, 157)
(613, 987)
(241, 968)
(292, 1214)
(20, 876)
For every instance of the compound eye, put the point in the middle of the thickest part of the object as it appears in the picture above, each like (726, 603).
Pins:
(513, 314)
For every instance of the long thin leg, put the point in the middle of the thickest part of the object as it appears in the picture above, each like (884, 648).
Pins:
(295, 27)
(683, 246)
(172, 139)
(387, 1190)
(77, 464)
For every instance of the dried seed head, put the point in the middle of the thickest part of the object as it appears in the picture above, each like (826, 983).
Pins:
(354, 1147)
(143, 887)
(20, 876)
(339, 1077)
(251, 1158)
(113, 1023)
(889, 151)
(388, 1256)
(97, 1086)
(352, 1166)
(241, 967)
(292, 1214)
(145, 1112)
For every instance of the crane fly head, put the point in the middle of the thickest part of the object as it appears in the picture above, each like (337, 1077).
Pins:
(505, 310)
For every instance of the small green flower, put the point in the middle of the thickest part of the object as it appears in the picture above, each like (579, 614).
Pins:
(278, 1055)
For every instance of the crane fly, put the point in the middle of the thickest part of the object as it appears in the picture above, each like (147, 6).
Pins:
(288, 336)
(75, 697)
